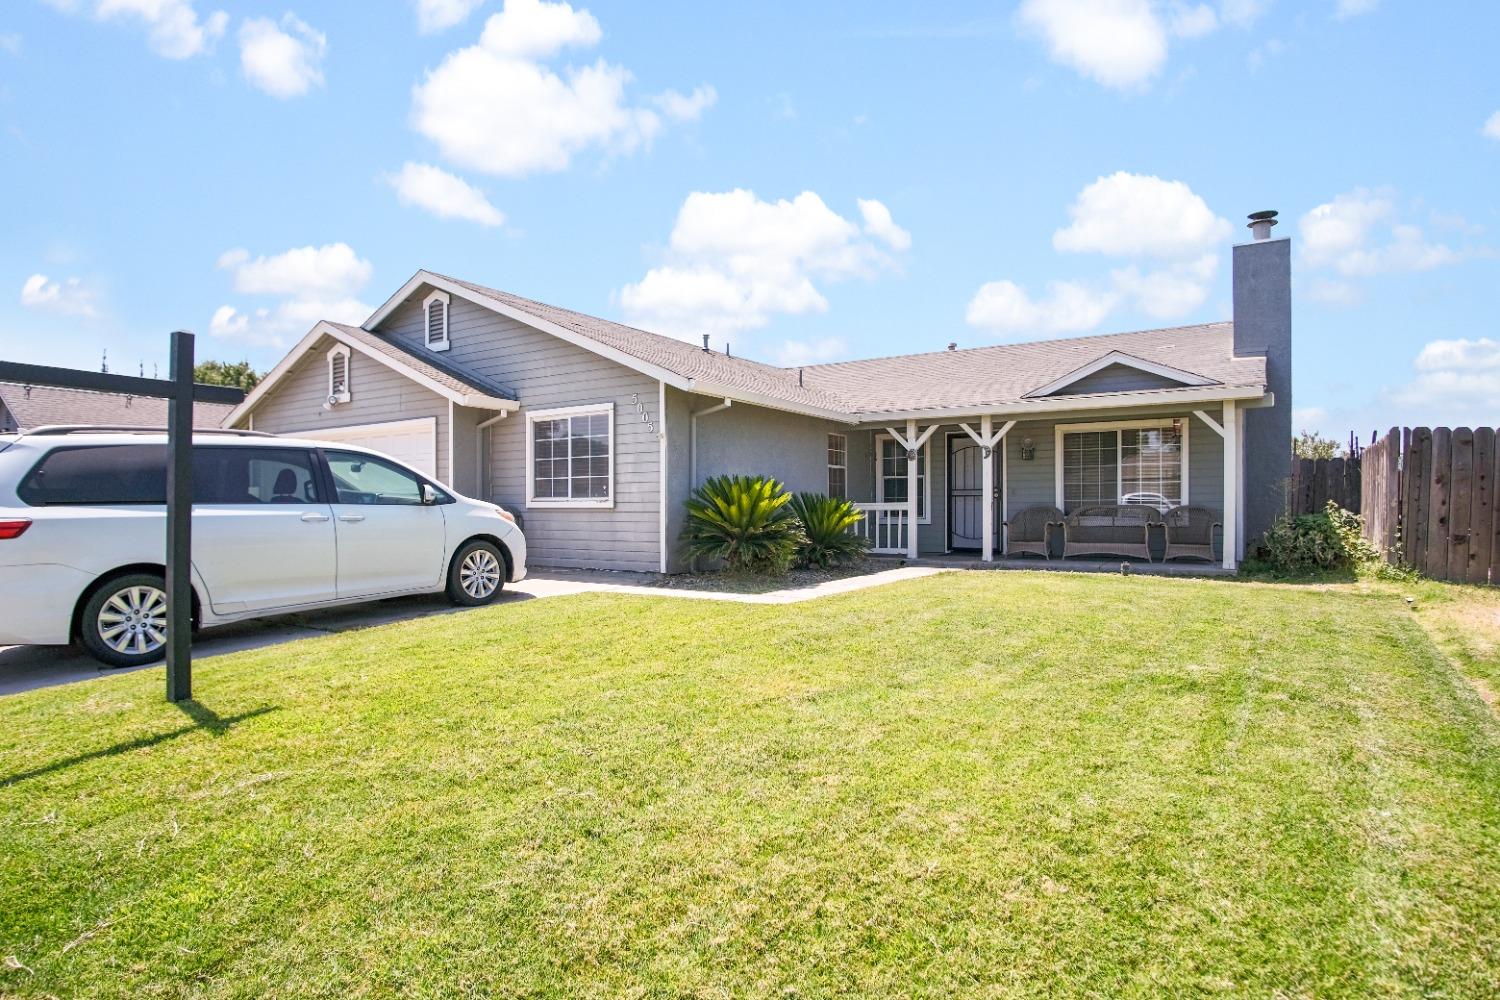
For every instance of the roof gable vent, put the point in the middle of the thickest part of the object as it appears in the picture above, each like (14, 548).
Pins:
(436, 328)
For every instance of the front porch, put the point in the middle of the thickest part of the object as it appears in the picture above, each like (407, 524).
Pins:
(950, 493)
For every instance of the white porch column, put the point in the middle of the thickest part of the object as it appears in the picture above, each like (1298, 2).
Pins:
(987, 516)
(1231, 435)
(911, 489)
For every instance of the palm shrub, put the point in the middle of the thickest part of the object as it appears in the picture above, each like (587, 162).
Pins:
(745, 521)
(827, 524)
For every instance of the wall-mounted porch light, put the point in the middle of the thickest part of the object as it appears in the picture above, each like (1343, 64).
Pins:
(1028, 450)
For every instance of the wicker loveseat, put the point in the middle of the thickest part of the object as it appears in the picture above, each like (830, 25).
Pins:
(1190, 532)
(1114, 530)
(1031, 530)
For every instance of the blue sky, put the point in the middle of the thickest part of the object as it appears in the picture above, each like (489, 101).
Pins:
(807, 181)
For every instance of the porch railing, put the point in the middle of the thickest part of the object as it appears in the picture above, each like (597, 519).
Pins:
(885, 525)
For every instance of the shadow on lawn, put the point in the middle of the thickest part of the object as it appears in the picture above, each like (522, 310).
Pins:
(203, 717)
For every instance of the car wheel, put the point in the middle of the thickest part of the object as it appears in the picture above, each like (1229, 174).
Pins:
(476, 575)
(124, 622)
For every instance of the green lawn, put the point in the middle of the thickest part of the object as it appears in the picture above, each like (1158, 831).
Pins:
(1002, 784)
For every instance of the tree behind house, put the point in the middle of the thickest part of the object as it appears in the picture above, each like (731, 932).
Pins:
(238, 374)
(1309, 445)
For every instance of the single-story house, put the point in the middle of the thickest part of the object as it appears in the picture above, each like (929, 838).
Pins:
(27, 407)
(596, 432)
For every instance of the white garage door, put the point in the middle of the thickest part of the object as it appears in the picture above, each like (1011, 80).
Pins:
(411, 442)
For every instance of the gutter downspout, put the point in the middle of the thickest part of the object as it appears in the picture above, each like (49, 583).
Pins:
(693, 440)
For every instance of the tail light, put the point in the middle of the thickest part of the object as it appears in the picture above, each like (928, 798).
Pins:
(14, 529)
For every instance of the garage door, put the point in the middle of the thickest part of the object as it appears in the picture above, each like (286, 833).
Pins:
(411, 442)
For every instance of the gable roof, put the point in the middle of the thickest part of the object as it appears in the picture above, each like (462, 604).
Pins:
(461, 387)
(1001, 379)
(32, 406)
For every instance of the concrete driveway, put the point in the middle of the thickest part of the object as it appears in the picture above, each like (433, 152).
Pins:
(24, 668)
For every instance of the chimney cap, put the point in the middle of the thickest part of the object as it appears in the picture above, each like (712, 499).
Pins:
(1267, 215)
(1261, 223)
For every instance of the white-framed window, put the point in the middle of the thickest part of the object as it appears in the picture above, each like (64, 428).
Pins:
(1123, 462)
(890, 476)
(570, 457)
(838, 466)
(435, 314)
(338, 375)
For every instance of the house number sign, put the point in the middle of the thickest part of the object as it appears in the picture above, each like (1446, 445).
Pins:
(640, 408)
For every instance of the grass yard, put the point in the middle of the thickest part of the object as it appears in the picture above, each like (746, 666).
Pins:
(1002, 784)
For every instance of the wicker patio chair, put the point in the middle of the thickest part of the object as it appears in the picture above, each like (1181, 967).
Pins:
(1031, 529)
(1113, 530)
(1190, 532)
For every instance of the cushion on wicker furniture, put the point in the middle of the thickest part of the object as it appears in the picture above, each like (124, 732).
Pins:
(1030, 529)
(1190, 532)
(1115, 530)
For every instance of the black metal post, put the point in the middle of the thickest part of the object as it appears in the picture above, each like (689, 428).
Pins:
(180, 520)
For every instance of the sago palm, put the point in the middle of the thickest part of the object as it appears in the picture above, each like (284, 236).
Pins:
(828, 526)
(745, 521)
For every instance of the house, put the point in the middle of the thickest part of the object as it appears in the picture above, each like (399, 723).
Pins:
(595, 432)
(27, 407)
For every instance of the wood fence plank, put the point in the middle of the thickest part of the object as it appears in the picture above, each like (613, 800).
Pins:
(1482, 518)
(1461, 494)
(1440, 478)
(1421, 488)
(1391, 490)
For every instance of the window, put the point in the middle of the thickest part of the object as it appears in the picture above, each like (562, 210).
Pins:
(365, 479)
(436, 307)
(570, 457)
(1135, 462)
(890, 471)
(838, 466)
(254, 475)
(338, 375)
(137, 474)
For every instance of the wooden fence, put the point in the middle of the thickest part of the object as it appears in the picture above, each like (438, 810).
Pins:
(1430, 501)
(1314, 482)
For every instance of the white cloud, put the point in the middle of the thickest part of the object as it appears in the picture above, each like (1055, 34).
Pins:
(444, 195)
(1357, 235)
(734, 261)
(1119, 43)
(1492, 126)
(494, 107)
(1191, 21)
(1003, 307)
(1241, 13)
(284, 60)
(439, 15)
(313, 283)
(686, 107)
(1140, 215)
(1333, 293)
(71, 296)
(1354, 8)
(174, 29)
(1131, 216)
(10, 43)
(878, 223)
(1456, 383)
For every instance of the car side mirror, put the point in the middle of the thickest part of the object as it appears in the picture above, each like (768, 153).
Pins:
(429, 495)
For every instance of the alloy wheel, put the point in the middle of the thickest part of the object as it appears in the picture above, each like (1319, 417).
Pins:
(134, 620)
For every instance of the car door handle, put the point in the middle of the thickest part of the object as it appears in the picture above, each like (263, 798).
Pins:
(312, 518)
(350, 518)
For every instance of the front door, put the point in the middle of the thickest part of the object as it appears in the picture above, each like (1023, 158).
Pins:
(966, 495)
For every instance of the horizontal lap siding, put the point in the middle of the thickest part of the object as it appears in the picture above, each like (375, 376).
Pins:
(546, 372)
(377, 395)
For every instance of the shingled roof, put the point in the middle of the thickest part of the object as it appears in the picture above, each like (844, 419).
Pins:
(32, 406)
(995, 377)
(424, 362)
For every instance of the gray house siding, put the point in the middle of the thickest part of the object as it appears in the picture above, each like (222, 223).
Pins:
(1118, 378)
(546, 372)
(377, 394)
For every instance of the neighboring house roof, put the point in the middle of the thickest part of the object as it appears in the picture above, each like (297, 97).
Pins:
(463, 388)
(32, 406)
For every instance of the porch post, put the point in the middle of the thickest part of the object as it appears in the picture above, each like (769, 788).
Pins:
(911, 489)
(1231, 484)
(987, 516)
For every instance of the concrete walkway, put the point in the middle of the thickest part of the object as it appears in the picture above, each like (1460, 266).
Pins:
(25, 668)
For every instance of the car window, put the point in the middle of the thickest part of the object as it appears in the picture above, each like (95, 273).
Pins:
(365, 479)
(137, 474)
(254, 476)
(99, 474)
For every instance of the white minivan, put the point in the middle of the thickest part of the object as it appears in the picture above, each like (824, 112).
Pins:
(279, 525)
